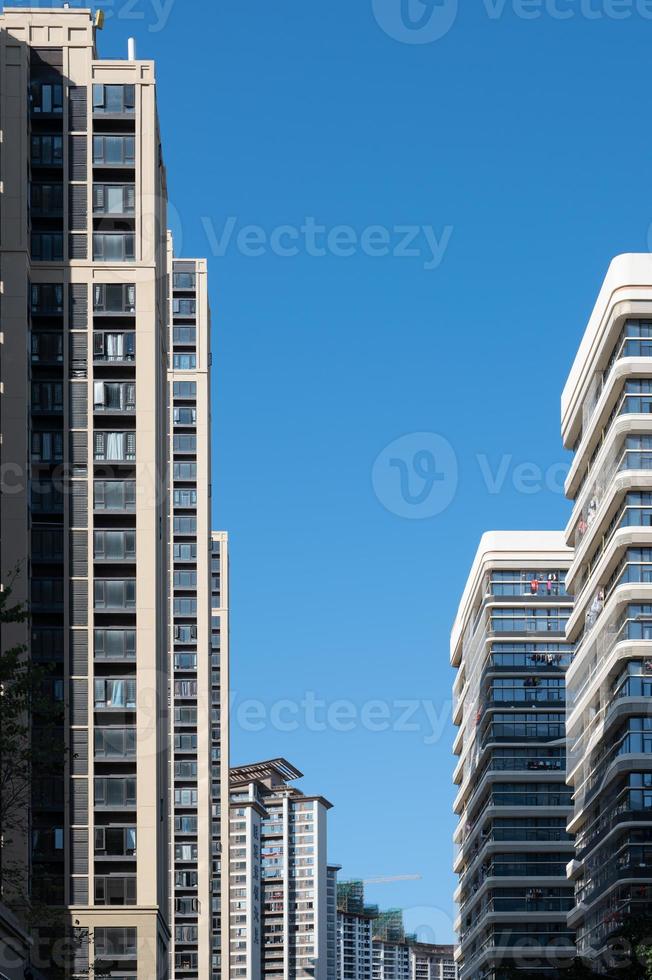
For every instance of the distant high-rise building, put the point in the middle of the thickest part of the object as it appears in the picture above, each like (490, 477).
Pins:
(280, 877)
(432, 962)
(606, 422)
(511, 653)
(354, 931)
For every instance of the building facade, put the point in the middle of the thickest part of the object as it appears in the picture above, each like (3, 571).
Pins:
(105, 418)
(606, 422)
(509, 648)
(432, 962)
(220, 748)
(279, 877)
(355, 922)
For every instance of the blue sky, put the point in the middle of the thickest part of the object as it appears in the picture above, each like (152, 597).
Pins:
(520, 144)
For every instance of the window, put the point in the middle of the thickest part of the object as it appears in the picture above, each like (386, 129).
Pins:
(115, 842)
(186, 906)
(47, 348)
(185, 471)
(114, 495)
(115, 941)
(114, 396)
(115, 891)
(46, 97)
(185, 743)
(115, 694)
(186, 689)
(114, 545)
(185, 797)
(46, 298)
(185, 580)
(115, 446)
(47, 645)
(185, 879)
(47, 545)
(185, 852)
(114, 298)
(185, 607)
(114, 346)
(185, 661)
(115, 743)
(47, 396)
(184, 307)
(185, 551)
(185, 389)
(185, 498)
(185, 443)
(46, 497)
(185, 634)
(186, 934)
(46, 199)
(114, 151)
(114, 246)
(185, 716)
(184, 335)
(47, 447)
(115, 593)
(184, 362)
(185, 416)
(115, 791)
(185, 525)
(47, 246)
(114, 199)
(185, 825)
(183, 280)
(115, 644)
(47, 150)
(114, 100)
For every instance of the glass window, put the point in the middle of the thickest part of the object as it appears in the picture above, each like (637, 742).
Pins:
(47, 150)
(117, 495)
(46, 97)
(115, 644)
(184, 362)
(114, 150)
(115, 246)
(115, 593)
(114, 346)
(114, 298)
(114, 100)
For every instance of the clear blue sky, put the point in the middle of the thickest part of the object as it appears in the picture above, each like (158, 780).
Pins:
(530, 139)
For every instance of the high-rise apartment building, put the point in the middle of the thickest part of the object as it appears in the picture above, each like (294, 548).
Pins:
(432, 962)
(355, 922)
(105, 420)
(220, 902)
(607, 423)
(509, 647)
(280, 877)
(196, 719)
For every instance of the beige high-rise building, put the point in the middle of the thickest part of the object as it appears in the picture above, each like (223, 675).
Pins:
(105, 451)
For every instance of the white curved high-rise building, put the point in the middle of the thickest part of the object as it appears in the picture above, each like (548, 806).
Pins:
(607, 423)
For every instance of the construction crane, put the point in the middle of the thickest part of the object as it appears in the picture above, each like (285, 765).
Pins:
(387, 879)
